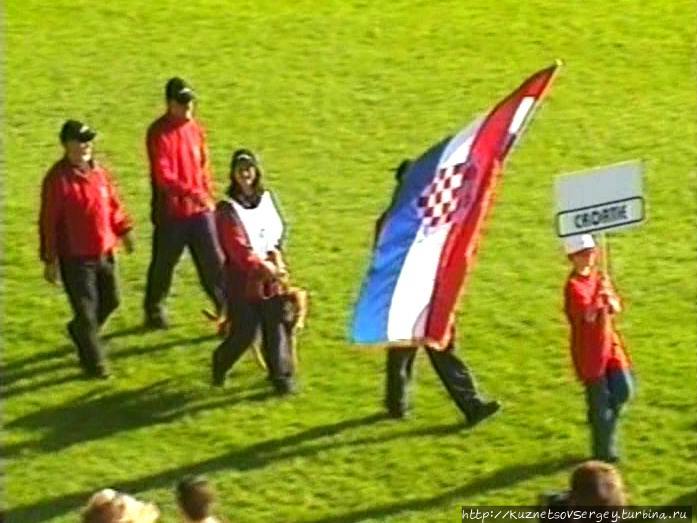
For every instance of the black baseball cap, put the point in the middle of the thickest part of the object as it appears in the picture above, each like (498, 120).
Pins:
(243, 155)
(179, 91)
(75, 130)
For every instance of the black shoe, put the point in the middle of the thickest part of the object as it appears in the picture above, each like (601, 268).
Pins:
(100, 372)
(482, 411)
(397, 413)
(284, 386)
(156, 322)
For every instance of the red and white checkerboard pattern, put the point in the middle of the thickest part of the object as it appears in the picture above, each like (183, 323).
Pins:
(439, 201)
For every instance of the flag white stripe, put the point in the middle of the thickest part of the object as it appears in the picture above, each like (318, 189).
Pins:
(521, 113)
(414, 289)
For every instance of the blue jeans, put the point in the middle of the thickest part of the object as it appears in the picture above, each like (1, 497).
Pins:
(605, 398)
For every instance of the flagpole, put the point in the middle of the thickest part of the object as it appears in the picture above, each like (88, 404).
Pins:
(605, 254)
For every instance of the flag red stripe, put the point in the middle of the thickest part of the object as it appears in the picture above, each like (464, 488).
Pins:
(487, 154)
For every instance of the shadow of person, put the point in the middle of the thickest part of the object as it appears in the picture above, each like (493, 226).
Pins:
(686, 500)
(256, 455)
(502, 478)
(24, 378)
(262, 453)
(128, 410)
(128, 331)
(39, 357)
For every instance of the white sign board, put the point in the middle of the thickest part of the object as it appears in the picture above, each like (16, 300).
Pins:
(601, 199)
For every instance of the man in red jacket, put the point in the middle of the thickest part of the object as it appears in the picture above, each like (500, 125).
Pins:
(182, 203)
(597, 351)
(80, 224)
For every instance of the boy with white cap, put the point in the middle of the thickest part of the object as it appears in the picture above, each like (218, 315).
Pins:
(597, 351)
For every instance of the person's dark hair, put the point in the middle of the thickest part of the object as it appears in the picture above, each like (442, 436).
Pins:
(238, 157)
(402, 169)
(195, 496)
(597, 484)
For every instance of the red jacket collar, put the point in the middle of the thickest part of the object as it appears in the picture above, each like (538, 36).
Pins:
(70, 169)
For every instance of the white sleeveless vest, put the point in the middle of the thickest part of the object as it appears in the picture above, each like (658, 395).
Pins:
(263, 224)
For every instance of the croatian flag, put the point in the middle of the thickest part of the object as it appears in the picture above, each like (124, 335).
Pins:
(429, 235)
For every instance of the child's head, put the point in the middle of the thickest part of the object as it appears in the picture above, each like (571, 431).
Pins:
(581, 251)
(597, 484)
(111, 506)
(195, 496)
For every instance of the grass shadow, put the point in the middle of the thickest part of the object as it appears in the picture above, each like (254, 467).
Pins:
(502, 478)
(128, 410)
(69, 359)
(35, 385)
(257, 455)
(686, 500)
(263, 453)
(128, 331)
(58, 353)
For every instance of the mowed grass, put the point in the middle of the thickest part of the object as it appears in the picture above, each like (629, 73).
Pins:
(333, 95)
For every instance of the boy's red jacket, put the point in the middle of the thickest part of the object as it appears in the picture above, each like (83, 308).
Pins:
(81, 215)
(595, 345)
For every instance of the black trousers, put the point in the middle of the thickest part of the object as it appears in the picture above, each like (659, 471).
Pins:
(169, 239)
(247, 319)
(452, 371)
(93, 293)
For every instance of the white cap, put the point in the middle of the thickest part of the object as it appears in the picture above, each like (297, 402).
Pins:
(580, 242)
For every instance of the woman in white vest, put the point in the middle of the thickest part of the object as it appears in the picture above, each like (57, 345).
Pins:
(250, 230)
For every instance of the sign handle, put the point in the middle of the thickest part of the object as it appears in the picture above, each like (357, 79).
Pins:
(605, 243)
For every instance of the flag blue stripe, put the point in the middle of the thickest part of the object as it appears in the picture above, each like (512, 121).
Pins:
(398, 233)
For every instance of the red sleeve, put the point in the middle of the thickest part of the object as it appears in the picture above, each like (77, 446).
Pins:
(50, 216)
(234, 242)
(161, 168)
(120, 221)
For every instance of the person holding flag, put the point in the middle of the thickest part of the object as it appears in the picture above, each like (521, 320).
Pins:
(597, 351)
(452, 371)
(428, 241)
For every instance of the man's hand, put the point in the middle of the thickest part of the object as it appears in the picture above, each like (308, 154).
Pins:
(128, 243)
(51, 273)
(204, 199)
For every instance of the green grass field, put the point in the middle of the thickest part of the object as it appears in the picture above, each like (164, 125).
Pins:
(333, 94)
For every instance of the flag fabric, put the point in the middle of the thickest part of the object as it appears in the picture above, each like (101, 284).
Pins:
(429, 236)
